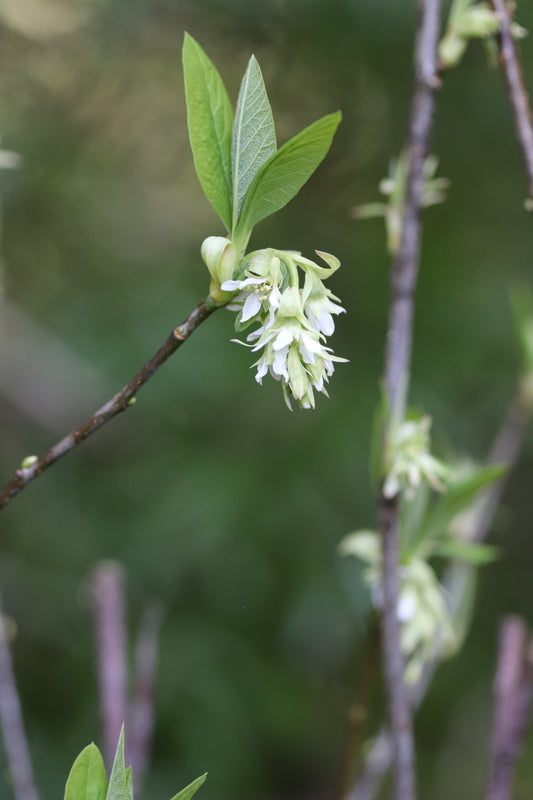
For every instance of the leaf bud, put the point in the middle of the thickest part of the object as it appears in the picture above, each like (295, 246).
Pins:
(221, 257)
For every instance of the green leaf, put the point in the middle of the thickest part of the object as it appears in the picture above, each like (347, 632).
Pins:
(129, 784)
(254, 135)
(87, 779)
(283, 175)
(118, 782)
(191, 789)
(457, 498)
(476, 554)
(210, 122)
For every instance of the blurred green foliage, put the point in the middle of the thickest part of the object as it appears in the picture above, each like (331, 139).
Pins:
(215, 498)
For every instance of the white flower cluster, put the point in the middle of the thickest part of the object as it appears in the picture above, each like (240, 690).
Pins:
(410, 460)
(422, 609)
(293, 320)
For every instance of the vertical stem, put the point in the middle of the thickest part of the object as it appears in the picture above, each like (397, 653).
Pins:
(15, 743)
(142, 706)
(512, 695)
(516, 90)
(396, 378)
(108, 607)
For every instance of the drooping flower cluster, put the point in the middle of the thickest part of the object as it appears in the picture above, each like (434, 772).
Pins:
(293, 320)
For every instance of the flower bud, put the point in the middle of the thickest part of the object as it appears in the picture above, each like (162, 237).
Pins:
(220, 256)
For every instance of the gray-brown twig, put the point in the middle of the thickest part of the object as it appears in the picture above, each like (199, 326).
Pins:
(120, 402)
(142, 703)
(107, 594)
(516, 89)
(15, 743)
(396, 378)
(512, 697)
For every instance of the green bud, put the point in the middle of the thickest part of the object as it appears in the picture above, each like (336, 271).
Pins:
(221, 257)
(29, 461)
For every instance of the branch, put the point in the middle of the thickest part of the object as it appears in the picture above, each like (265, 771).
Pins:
(512, 690)
(516, 90)
(15, 743)
(142, 704)
(505, 450)
(120, 402)
(396, 377)
(108, 606)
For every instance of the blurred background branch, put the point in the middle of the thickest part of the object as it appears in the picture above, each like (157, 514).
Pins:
(396, 381)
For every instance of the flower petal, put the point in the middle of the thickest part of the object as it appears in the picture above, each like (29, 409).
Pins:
(251, 306)
(283, 339)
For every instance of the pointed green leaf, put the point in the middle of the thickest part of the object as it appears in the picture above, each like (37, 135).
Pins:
(254, 135)
(458, 497)
(285, 172)
(118, 782)
(129, 784)
(476, 554)
(210, 122)
(191, 789)
(87, 779)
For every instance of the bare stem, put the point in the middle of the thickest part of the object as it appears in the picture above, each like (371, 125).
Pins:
(516, 89)
(109, 613)
(512, 691)
(15, 743)
(396, 378)
(142, 704)
(120, 402)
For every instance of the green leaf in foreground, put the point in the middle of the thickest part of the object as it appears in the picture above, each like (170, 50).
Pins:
(254, 135)
(118, 782)
(285, 172)
(210, 122)
(87, 779)
(191, 789)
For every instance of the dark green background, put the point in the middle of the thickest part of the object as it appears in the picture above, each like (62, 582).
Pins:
(215, 498)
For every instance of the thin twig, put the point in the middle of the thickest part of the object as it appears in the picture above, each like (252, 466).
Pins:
(512, 690)
(516, 89)
(15, 742)
(107, 591)
(120, 402)
(396, 377)
(142, 704)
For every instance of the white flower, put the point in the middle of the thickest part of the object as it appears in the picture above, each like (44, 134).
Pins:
(422, 610)
(254, 293)
(318, 305)
(410, 461)
(293, 322)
